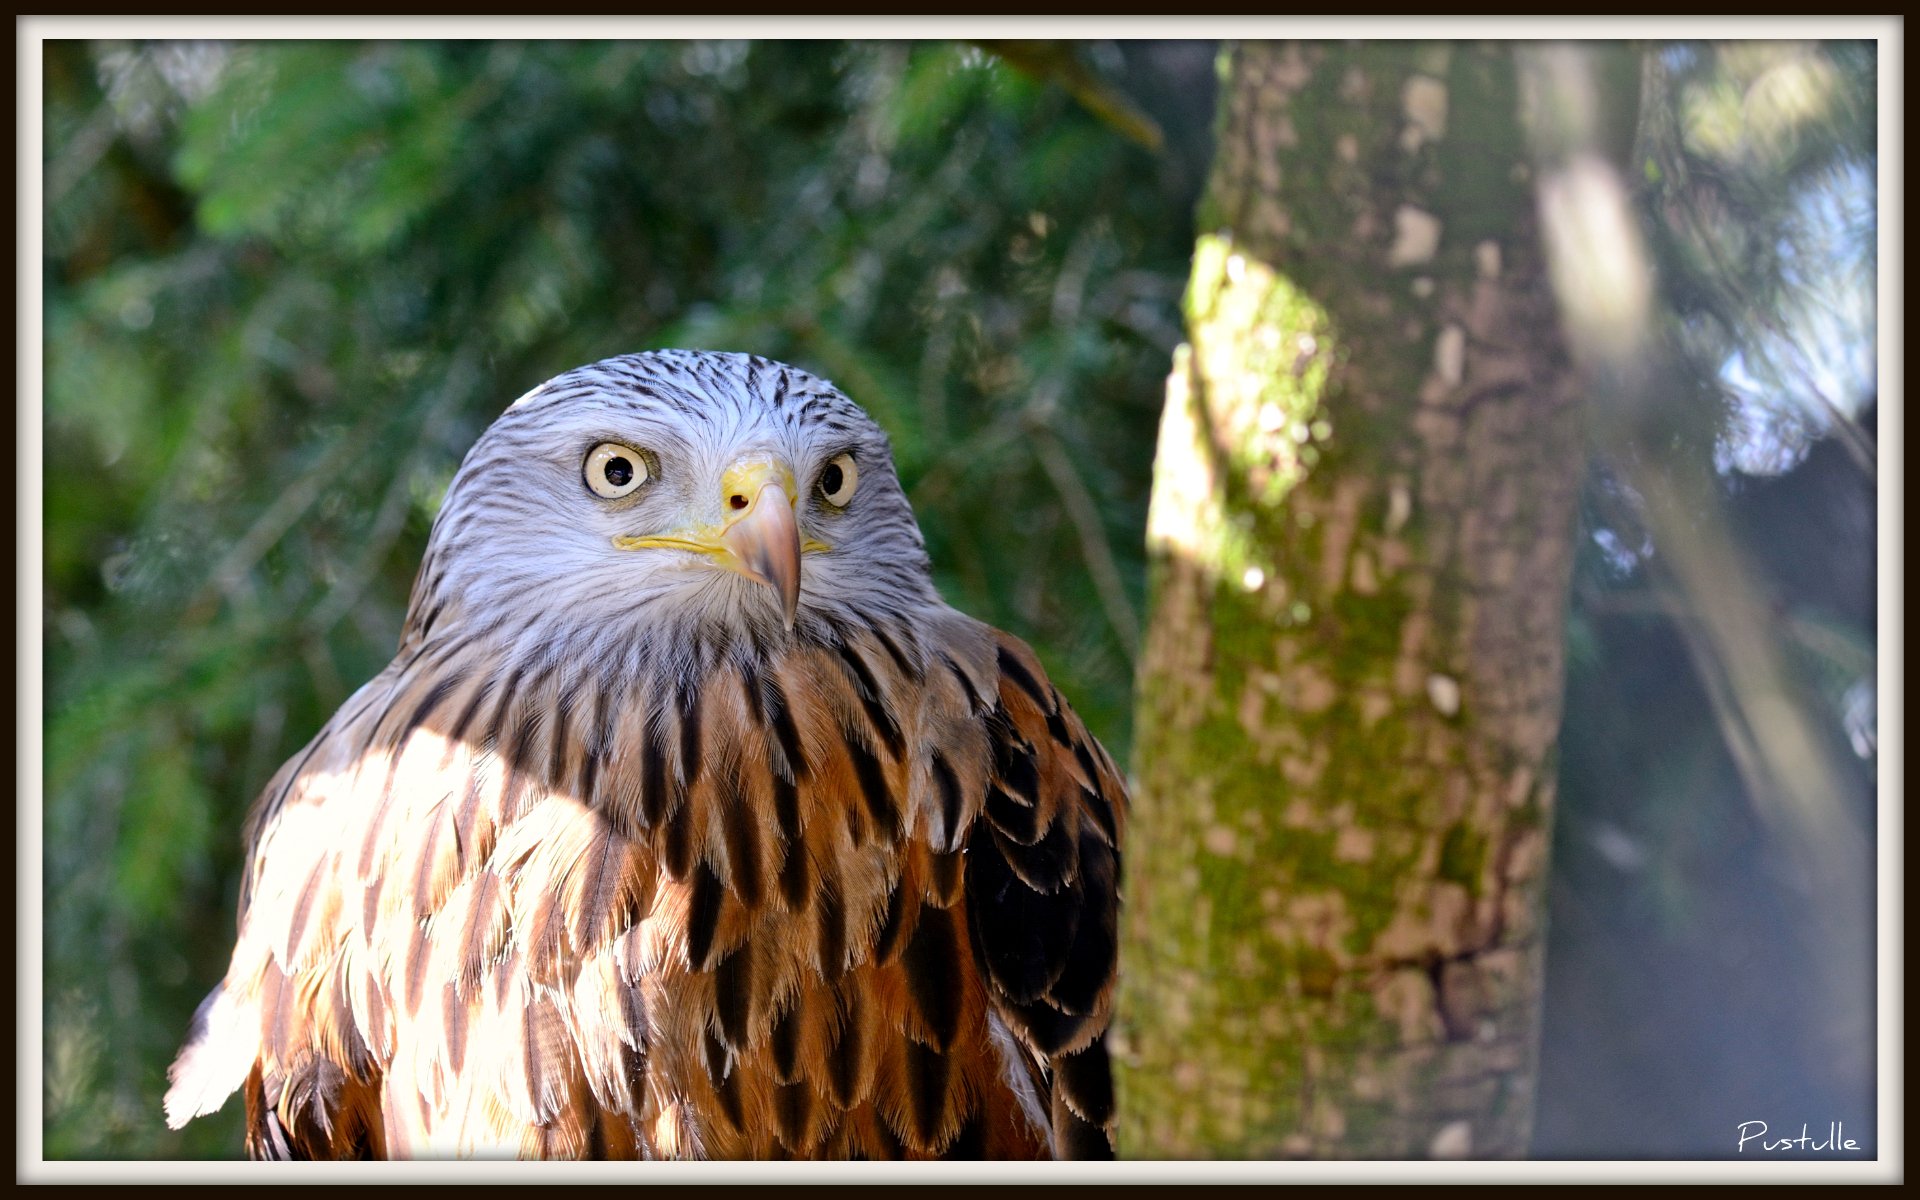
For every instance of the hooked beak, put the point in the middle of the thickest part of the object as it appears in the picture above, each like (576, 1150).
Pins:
(758, 536)
(762, 534)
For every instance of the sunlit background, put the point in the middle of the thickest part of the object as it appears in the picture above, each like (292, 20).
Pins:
(286, 285)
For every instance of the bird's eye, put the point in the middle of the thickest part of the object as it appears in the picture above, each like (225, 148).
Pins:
(613, 470)
(839, 479)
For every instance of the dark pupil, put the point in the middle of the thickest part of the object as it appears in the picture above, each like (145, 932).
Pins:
(831, 479)
(618, 472)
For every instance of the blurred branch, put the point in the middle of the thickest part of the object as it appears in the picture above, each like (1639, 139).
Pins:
(231, 572)
(1661, 603)
(1070, 285)
(80, 155)
(1838, 648)
(1085, 516)
(1602, 277)
(1059, 63)
(1068, 303)
(1595, 245)
(392, 513)
(149, 202)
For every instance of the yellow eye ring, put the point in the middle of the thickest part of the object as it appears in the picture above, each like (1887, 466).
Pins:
(839, 479)
(612, 470)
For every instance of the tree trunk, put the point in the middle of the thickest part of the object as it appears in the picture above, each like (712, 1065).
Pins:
(1361, 535)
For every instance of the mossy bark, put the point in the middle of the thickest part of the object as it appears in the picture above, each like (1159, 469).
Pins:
(1361, 540)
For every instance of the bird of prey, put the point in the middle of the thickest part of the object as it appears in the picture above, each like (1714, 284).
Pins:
(688, 821)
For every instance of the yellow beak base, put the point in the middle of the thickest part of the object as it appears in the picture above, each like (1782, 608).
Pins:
(758, 536)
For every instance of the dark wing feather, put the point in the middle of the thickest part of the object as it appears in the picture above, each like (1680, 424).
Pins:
(1042, 882)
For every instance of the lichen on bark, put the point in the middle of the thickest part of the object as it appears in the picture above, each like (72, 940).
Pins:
(1360, 542)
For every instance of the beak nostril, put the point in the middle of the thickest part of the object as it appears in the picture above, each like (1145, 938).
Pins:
(736, 501)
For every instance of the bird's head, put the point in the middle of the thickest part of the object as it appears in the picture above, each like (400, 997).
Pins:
(690, 495)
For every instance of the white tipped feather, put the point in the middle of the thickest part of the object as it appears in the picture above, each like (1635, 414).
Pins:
(221, 1045)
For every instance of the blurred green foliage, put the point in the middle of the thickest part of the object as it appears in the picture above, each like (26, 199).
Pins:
(287, 285)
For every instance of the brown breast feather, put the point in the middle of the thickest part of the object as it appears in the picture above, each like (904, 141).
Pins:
(855, 901)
